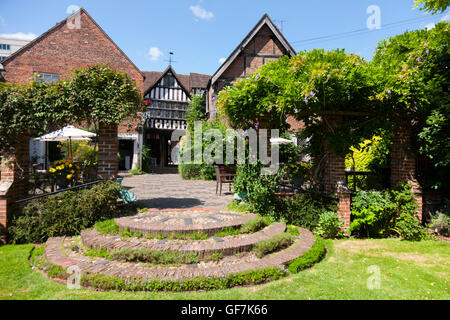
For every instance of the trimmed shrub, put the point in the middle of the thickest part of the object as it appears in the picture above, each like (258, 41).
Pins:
(64, 214)
(107, 227)
(153, 256)
(106, 282)
(254, 225)
(309, 258)
(276, 243)
(330, 225)
(189, 171)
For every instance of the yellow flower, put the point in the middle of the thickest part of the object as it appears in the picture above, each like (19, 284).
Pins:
(62, 166)
(69, 176)
(70, 165)
(52, 170)
(72, 171)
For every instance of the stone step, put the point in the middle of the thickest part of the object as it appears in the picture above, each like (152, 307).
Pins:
(227, 246)
(55, 254)
(167, 222)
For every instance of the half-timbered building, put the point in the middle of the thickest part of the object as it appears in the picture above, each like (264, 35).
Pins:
(168, 95)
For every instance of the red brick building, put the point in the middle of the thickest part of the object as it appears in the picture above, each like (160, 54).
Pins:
(262, 44)
(75, 42)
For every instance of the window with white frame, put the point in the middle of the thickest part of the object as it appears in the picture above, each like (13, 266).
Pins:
(48, 77)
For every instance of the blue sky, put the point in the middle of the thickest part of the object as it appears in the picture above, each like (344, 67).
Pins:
(201, 32)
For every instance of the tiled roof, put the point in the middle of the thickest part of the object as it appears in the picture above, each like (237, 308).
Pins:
(193, 80)
(198, 80)
(150, 78)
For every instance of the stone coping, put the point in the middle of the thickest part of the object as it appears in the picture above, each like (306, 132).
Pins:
(55, 254)
(227, 246)
(208, 221)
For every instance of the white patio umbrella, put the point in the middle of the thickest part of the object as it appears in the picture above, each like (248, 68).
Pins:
(280, 141)
(69, 133)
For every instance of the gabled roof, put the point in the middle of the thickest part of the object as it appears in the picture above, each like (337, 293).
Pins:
(156, 77)
(56, 27)
(265, 20)
(193, 80)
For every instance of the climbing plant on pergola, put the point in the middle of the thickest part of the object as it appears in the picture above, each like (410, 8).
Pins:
(331, 92)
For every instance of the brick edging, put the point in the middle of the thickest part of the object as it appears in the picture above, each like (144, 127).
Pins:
(164, 229)
(55, 255)
(93, 239)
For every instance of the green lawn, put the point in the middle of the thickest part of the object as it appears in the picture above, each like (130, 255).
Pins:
(409, 270)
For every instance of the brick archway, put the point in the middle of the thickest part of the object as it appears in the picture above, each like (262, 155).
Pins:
(403, 169)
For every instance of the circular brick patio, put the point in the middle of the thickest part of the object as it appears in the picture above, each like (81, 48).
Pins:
(167, 222)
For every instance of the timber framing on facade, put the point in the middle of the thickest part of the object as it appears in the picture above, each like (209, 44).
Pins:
(168, 95)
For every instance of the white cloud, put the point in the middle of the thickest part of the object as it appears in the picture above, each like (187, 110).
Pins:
(155, 53)
(430, 26)
(72, 9)
(201, 13)
(222, 60)
(446, 17)
(18, 36)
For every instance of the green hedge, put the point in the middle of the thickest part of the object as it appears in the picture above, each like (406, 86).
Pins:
(252, 277)
(64, 214)
(105, 282)
(279, 242)
(190, 171)
(310, 257)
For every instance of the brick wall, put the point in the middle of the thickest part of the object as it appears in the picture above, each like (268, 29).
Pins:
(129, 125)
(246, 63)
(403, 161)
(108, 147)
(334, 175)
(14, 177)
(65, 48)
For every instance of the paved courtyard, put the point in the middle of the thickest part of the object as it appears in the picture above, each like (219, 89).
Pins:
(169, 191)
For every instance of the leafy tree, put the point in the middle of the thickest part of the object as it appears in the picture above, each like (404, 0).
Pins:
(432, 6)
(197, 109)
(313, 87)
(413, 73)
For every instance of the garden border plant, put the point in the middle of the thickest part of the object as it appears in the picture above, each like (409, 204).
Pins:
(104, 282)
